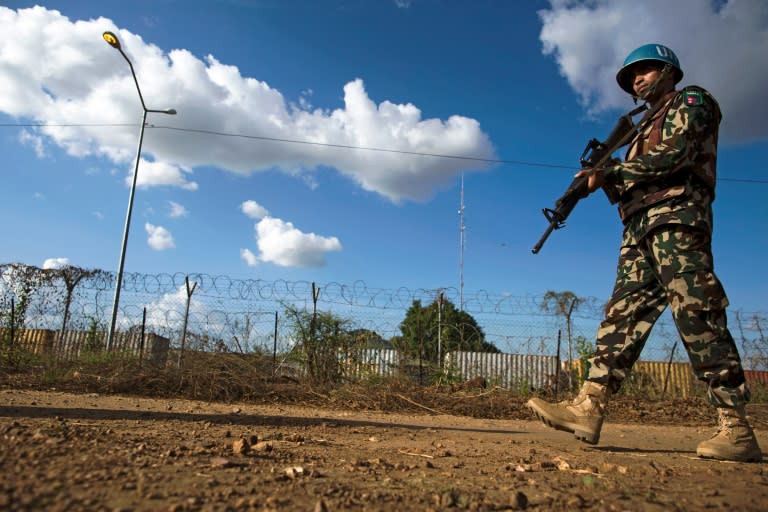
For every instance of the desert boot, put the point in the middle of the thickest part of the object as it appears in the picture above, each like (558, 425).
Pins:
(583, 416)
(734, 440)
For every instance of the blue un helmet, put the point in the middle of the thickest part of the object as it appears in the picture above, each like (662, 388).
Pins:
(653, 52)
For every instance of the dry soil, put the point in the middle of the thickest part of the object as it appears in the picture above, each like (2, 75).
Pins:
(64, 451)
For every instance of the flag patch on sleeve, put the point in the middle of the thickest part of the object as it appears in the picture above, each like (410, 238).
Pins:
(693, 98)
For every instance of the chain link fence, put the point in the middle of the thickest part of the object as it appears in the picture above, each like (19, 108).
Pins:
(219, 313)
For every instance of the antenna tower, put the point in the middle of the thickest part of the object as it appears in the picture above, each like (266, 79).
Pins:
(461, 246)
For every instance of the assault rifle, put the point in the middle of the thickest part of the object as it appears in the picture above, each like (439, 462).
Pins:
(595, 156)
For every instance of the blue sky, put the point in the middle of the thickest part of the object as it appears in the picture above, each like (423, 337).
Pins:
(521, 86)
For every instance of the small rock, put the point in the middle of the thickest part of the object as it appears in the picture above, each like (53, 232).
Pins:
(295, 471)
(241, 446)
(263, 446)
(574, 502)
(221, 462)
(519, 501)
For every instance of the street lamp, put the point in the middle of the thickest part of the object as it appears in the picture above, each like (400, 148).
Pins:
(114, 42)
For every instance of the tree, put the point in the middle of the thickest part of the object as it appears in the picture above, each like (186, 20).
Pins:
(71, 276)
(430, 331)
(320, 337)
(563, 304)
(366, 338)
(19, 285)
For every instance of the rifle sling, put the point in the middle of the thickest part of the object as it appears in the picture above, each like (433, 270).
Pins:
(636, 128)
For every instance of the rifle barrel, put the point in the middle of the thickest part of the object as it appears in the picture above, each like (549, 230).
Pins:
(540, 243)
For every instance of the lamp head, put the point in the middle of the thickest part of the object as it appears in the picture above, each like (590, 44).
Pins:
(111, 39)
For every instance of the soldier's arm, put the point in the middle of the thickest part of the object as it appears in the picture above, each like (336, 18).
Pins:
(684, 130)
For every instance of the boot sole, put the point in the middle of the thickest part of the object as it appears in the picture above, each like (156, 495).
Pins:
(750, 457)
(578, 431)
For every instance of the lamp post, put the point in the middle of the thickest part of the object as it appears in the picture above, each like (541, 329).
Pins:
(114, 42)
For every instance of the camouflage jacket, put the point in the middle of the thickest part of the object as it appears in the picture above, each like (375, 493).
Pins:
(669, 173)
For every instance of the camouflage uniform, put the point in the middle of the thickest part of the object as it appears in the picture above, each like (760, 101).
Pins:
(664, 191)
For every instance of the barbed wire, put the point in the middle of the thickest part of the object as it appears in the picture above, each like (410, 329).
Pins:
(245, 314)
(357, 294)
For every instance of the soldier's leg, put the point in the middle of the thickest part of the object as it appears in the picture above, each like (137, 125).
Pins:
(698, 304)
(637, 301)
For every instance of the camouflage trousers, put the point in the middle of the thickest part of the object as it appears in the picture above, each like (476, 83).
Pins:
(672, 266)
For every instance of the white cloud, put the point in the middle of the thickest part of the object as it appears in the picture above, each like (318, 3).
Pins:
(279, 242)
(211, 95)
(176, 210)
(167, 313)
(722, 46)
(247, 256)
(152, 174)
(55, 263)
(159, 238)
(34, 141)
(253, 209)
(98, 215)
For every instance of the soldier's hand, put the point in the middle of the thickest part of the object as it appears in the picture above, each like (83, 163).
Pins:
(595, 178)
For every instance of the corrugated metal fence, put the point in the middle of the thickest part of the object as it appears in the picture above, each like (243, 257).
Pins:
(362, 364)
(71, 345)
(505, 370)
(514, 371)
(659, 379)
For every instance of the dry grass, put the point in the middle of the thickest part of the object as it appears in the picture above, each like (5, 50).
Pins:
(228, 378)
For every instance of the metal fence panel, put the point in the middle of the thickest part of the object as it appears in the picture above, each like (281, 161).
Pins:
(670, 380)
(71, 345)
(505, 370)
(364, 363)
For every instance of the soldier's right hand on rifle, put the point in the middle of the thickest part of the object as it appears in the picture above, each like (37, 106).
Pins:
(595, 179)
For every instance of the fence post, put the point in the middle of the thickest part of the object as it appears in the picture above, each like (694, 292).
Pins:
(141, 343)
(669, 369)
(440, 329)
(274, 349)
(557, 368)
(13, 322)
(186, 319)
(312, 357)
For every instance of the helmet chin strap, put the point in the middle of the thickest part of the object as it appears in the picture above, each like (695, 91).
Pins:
(652, 88)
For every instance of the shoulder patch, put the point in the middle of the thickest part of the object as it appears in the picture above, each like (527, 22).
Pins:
(693, 98)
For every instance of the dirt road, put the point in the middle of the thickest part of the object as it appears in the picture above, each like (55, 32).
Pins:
(63, 451)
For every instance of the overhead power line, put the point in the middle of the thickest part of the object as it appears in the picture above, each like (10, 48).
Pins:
(363, 148)
(331, 145)
(64, 125)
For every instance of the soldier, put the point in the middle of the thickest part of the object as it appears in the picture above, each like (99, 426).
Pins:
(664, 190)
